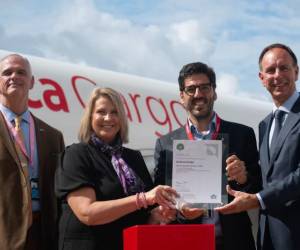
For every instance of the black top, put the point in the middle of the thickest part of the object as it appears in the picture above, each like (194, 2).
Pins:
(84, 165)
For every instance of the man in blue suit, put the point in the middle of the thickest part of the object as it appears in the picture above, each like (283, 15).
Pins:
(279, 143)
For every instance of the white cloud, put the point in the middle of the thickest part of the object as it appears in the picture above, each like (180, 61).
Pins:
(119, 44)
(190, 39)
(158, 39)
(227, 84)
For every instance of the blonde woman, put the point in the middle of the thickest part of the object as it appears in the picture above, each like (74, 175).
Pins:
(103, 186)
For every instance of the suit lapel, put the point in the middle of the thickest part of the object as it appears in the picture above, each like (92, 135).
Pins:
(292, 119)
(264, 144)
(290, 122)
(180, 135)
(7, 140)
(41, 146)
(223, 135)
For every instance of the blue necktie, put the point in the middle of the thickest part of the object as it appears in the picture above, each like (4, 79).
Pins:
(278, 116)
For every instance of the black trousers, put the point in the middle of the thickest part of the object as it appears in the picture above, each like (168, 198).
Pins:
(33, 240)
(267, 243)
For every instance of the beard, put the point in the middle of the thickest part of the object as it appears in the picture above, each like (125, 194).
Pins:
(201, 111)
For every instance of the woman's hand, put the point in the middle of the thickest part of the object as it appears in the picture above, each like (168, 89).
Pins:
(162, 195)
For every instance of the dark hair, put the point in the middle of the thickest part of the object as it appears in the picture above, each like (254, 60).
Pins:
(280, 46)
(196, 68)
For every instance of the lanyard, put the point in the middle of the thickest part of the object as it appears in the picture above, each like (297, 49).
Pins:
(20, 142)
(213, 136)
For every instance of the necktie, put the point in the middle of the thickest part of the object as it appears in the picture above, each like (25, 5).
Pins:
(20, 135)
(278, 116)
(18, 121)
(24, 163)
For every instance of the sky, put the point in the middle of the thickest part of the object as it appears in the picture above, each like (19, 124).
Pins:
(155, 38)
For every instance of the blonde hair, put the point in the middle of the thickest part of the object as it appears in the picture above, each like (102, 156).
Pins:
(85, 130)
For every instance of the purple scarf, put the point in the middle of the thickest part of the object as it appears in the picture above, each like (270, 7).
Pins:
(130, 182)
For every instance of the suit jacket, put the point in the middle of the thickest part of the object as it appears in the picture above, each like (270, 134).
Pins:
(236, 228)
(85, 165)
(281, 182)
(14, 195)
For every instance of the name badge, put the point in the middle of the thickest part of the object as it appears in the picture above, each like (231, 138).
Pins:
(35, 194)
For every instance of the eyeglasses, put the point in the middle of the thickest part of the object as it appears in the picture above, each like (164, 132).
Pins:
(203, 88)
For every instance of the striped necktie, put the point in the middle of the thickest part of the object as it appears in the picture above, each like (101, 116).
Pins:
(20, 135)
(24, 163)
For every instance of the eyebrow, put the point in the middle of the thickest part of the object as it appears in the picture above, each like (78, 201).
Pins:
(200, 84)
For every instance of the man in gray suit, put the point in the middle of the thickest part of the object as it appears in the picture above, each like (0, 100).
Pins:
(279, 141)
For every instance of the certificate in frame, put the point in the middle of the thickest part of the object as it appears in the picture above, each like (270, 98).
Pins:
(198, 171)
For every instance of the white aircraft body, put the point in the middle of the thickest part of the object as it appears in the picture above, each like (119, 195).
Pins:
(153, 109)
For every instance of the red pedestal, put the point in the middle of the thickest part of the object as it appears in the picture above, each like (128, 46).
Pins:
(169, 237)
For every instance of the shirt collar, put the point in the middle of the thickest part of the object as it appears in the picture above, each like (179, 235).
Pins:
(210, 129)
(288, 104)
(10, 115)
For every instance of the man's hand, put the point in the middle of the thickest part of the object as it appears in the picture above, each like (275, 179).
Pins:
(162, 215)
(236, 169)
(191, 213)
(242, 202)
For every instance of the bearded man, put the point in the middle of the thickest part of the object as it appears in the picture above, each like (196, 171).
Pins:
(197, 85)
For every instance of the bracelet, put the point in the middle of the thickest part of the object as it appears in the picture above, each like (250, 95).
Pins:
(140, 200)
(143, 200)
(137, 201)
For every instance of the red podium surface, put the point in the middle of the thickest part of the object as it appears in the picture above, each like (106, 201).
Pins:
(169, 237)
